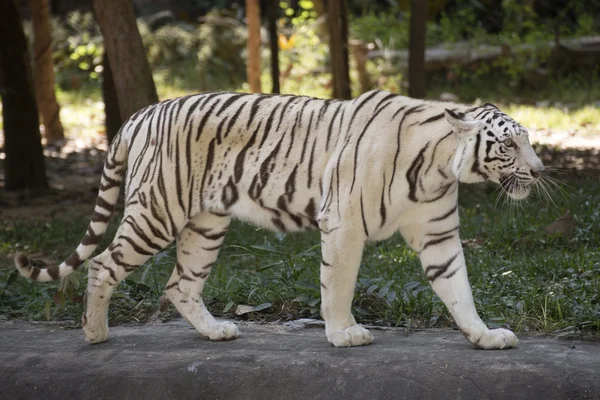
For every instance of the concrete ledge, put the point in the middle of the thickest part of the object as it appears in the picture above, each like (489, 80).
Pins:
(169, 361)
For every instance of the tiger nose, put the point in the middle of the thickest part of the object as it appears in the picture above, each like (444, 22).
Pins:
(535, 172)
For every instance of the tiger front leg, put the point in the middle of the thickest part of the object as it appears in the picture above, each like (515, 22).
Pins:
(341, 255)
(442, 259)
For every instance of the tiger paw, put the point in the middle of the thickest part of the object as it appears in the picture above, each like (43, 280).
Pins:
(221, 331)
(95, 334)
(496, 339)
(355, 335)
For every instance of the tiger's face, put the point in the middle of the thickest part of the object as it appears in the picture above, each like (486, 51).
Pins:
(499, 148)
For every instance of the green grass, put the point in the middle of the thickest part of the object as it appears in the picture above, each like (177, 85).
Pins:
(521, 278)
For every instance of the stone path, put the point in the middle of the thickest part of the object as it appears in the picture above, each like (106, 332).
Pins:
(169, 361)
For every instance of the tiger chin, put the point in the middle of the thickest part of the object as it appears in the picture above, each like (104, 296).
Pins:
(357, 171)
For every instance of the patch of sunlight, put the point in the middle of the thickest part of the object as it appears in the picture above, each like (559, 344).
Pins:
(583, 120)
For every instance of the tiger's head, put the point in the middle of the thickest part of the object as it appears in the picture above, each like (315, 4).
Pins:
(493, 146)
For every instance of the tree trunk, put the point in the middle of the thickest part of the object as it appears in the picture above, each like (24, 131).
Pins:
(113, 120)
(253, 45)
(321, 19)
(43, 67)
(338, 48)
(416, 49)
(272, 8)
(24, 164)
(359, 52)
(123, 45)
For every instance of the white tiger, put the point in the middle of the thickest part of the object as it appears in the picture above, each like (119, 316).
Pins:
(357, 170)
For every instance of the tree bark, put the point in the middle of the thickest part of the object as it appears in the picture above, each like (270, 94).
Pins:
(123, 45)
(24, 164)
(113, 119)
(253, 45)
(416, 49)
(338, 48)
(359, 52)
(43, 67)
(272, 8)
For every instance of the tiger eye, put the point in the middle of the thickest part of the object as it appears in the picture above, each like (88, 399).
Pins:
(508, 142)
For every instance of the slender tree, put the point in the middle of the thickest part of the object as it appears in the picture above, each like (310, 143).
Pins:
(24, 163)
(43, 66)
(113, 119)
(416, 49)
(337, 18)
(272, 8)
(123, 45)
(253, 44)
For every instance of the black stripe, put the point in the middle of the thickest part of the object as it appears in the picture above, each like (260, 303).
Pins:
(360, 138)
(178, 185)
(212, 248)
(155, 231)
(34, 273)
(138, 249)
(204, 232)
(205, 118)
(331, 122)
(98, 217)
(432, 157)
(238, 168)
(91, 238)
(268, 126)
(141, 234)
(111, 271)
(382, 209)
(444, 216)
(412, 174)
(308, 131)
(163, 191)
(361, 105)
(254, 109)
(398, 146)
(451, 274)
(439, 268)
(285, 107)
(100, 202)
(210, 156)
(234, 118)
(362, 213)
(191, 110)
(310, 163)
(442, 233)
(432, 119)
(436, 241)
(229, 102)
(53, 272)
(475, 167)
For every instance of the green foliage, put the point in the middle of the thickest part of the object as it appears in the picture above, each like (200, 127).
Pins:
(78, 49)
(209, 56)
(222, 58)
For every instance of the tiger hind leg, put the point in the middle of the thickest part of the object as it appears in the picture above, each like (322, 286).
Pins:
(198, 246)
(130, 248)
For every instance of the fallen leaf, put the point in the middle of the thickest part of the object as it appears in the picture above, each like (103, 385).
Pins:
(243, 309)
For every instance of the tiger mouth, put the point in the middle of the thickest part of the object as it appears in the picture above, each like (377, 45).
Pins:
(514, 187)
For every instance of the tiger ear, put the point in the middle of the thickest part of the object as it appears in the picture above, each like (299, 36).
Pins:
(461, 122)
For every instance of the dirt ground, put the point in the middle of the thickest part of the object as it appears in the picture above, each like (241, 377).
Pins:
(74, 171)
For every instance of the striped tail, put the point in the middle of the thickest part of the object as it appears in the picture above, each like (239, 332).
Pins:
(112, 176)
